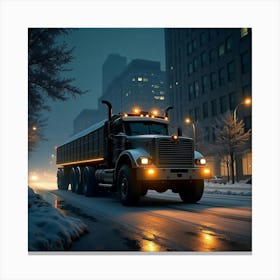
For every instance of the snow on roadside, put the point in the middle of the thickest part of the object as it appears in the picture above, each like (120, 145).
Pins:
(48, 229)
(229, 189)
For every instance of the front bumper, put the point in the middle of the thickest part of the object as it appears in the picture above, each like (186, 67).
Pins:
(172, 174)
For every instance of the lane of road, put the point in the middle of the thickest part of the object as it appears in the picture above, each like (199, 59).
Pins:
(161, 222)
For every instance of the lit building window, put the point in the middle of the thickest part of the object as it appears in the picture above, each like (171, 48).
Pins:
(145, 79)
(243, 32)
(247, 163)
(140, 79)
(133, 79)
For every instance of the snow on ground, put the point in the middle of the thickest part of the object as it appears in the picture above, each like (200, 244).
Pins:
(49, 229)
(228, 189)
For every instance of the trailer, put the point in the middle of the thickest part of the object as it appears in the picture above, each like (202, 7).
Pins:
(130, 153)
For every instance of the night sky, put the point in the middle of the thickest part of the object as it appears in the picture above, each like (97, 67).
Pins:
(92, 47)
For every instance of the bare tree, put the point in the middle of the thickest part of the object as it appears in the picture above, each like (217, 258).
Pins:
(230, 138)
(48, 57)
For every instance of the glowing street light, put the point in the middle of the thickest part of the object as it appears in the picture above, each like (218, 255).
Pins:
(189, 121)
(34, 128)
(247, 102)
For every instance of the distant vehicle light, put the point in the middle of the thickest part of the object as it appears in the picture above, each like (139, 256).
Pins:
(34, 178)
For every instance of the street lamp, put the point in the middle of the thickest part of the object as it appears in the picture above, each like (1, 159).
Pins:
(189, 121)
(247, 101)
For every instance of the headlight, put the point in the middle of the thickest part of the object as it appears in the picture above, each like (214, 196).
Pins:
(144, 160)
(200, 161)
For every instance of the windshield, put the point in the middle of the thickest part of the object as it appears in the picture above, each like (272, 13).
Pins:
(142, 128)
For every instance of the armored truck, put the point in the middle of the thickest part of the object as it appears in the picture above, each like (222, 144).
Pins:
(130, 153)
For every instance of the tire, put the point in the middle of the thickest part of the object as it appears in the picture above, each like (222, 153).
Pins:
(90, 184)
(192, 191)
(128, 188)
(62, 180)
(73, 180)
(79, 185)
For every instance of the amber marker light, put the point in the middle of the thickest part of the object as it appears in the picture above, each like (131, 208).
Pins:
(136, 110)
(151, 171)
(206, 172)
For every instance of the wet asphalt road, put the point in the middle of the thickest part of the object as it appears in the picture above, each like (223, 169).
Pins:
(160, 223)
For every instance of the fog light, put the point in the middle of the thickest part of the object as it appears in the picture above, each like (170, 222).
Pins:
(206, 172)
(151, 171)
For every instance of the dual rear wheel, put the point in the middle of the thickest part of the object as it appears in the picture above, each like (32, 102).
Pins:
(81, 180)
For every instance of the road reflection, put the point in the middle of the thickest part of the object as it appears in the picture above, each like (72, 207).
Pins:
(208, 241)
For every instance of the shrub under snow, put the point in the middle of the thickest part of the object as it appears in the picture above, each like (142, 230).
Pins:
(48, 229)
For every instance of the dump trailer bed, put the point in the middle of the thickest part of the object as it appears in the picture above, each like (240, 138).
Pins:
(86, 146)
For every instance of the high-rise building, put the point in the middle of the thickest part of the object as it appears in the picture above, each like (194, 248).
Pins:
(112, 67)
(141, 84)
(209, 72)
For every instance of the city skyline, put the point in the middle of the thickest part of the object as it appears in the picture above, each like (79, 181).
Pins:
(92, 47)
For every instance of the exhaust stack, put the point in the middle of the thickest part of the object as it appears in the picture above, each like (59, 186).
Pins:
(166, 111)
(109, 105)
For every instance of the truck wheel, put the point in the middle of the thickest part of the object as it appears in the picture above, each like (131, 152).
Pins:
(73, 180)
(62, 181)
(90, 184)
(79, 186)
(192, 191)
(128, 187)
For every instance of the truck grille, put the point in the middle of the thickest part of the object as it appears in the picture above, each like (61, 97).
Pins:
(179, 153)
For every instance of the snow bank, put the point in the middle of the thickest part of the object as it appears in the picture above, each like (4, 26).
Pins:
(229, 189)
(48, 229)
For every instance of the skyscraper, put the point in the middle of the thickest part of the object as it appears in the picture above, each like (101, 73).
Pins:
(112, 68)
(209, 72)
(141, 84)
